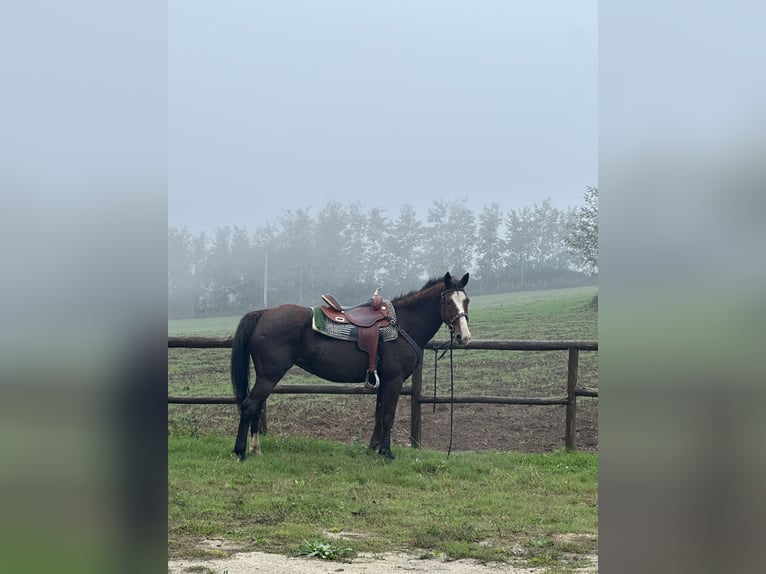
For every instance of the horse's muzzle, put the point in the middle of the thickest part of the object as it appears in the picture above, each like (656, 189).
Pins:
(462, 340)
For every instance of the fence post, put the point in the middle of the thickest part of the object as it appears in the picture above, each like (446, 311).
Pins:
(571, 423)
(415, 406)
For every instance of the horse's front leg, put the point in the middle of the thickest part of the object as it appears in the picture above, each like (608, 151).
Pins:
(385, 443)
(378, 428)
(390, 400)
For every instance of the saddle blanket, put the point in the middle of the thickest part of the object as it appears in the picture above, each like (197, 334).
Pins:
(347, 331)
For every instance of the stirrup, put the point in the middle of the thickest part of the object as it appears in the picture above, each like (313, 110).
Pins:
(373, 381)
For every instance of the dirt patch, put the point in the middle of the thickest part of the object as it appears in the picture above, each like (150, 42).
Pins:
(474, 426)
(388, 563)
(350, 418)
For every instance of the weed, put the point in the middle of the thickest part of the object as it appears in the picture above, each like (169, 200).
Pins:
(542, 552)
(324, 551)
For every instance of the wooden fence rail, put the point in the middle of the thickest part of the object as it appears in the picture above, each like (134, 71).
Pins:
(415, 389)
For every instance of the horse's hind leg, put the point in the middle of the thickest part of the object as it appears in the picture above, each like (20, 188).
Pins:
(255, 442)
(249, 417)
(245, 415)
(257, 426)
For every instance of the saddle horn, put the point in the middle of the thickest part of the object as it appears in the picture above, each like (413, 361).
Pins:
(377, 300)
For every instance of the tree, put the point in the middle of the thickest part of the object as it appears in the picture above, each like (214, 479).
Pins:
(518, 242)
(551, 257)
(182, 293)
(336, 250)
(537, 255)
(489, 249)
(245, 271)
(462, 223)
(450, 237)
(403, 251)
(583, 233)
(437, 238)
(218, 275)
(291, 253)
(348, 250)
(369, 232)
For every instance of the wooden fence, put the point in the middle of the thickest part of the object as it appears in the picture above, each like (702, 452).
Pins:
(415, 389)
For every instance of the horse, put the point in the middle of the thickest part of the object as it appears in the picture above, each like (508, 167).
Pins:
(279, 337)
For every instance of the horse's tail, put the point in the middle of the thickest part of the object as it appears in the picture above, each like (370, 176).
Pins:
(240, 356)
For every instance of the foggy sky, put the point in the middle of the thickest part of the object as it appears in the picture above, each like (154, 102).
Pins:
(285, 105)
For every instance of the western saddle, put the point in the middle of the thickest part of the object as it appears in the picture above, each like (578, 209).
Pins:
(369, 317)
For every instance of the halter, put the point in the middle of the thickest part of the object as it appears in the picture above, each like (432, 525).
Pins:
(443, 309)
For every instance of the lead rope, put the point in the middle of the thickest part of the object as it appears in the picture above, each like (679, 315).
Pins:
(451, 391)
(444, 348)
(447, 347)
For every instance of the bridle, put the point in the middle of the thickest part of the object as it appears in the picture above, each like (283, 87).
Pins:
(443, 310)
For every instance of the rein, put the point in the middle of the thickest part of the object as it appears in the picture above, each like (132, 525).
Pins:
(447, 347)
(412, 343)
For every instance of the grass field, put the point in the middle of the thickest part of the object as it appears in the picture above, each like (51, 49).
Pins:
(552, 314)
(490, 506)
(540, 507)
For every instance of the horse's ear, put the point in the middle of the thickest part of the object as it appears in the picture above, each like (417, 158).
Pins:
(464, 280)
(447, 279)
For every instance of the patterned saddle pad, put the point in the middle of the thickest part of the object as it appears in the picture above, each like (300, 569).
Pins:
(347, 331)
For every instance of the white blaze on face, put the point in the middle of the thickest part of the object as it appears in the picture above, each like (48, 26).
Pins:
(461, 325)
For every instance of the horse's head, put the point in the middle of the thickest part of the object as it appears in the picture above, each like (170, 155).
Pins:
(454, 307)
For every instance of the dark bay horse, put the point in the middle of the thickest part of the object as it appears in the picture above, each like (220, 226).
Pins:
(280, 337)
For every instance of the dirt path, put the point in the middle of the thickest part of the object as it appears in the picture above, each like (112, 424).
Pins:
(389, 563)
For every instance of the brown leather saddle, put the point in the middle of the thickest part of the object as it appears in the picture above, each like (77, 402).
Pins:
(369, 317)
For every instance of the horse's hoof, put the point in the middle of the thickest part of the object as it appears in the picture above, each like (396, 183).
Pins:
(387, 453)
(240, 455)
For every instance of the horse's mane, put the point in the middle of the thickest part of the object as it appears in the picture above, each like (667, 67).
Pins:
(413, 294)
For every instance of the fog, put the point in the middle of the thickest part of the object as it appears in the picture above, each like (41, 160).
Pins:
(281, 106)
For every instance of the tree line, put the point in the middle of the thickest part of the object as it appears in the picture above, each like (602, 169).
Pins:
(349, 250)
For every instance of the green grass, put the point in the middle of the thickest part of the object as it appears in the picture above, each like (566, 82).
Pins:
(536, 315)
(484, 505)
